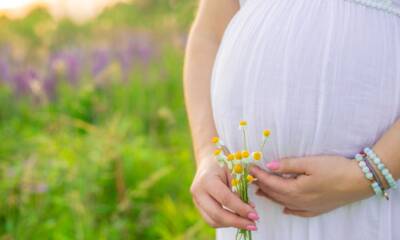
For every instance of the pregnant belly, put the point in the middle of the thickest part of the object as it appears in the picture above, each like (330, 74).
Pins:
(324, 76)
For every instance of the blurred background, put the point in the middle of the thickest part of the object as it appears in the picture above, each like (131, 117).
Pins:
(94, 142)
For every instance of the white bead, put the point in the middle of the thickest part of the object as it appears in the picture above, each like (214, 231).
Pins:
(365, 169)
(358, 157)
(369, 175)
(376, 160)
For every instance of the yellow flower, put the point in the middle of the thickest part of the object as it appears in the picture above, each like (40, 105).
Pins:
(243, 123)
(215, 140)
(257, 155)
(250, 178)
(245, 154)
(238, 168)
(238, 155)
(266, 133)
(217, 151)
(231, 157)
(234, 182)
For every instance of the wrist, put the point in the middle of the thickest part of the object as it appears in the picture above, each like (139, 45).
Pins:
(204, 152)
(205, 158)
(359, 185)
(389, 159)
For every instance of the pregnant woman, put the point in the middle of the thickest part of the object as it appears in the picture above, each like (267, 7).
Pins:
(324, 77)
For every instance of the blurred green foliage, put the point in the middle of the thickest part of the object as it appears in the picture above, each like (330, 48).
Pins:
(97, 160)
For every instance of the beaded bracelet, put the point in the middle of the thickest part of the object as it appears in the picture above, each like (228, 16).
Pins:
(378, 190)
(384, 171)
(376, 176)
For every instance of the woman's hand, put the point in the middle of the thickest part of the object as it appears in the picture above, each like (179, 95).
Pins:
(210, 192)
(324, 183)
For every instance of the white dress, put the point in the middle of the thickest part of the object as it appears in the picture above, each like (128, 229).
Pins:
(324, 77)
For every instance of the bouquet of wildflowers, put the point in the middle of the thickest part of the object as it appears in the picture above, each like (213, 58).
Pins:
(238, 165)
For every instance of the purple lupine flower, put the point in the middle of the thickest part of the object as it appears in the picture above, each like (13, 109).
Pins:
(125, 58)
(100, 60)
(124, 54)
(4, 70)
(22, 81)
(135, 49)
(74, 67)
(144, 50)
(68, 63)
(49, 86)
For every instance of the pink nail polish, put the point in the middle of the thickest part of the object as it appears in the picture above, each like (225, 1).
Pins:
(251, 228)
(274, 165)
(253, 216)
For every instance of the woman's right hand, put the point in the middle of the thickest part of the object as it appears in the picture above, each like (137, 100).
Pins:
(210, 191)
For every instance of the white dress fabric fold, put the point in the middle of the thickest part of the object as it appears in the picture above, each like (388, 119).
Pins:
(324, 77)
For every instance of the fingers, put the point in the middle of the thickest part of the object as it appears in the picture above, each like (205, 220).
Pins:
(210, 194)
(289, 165)
(277, 184)
(261, 193)
(204, 214)
(216, 216)
(277, 199)
(300, 213)
(252, 204)
(221, 193)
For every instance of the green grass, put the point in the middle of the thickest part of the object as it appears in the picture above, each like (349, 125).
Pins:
(99, 161)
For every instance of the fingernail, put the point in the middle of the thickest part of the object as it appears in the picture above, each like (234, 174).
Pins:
(253, 216)
(274, 165)
(251, 228)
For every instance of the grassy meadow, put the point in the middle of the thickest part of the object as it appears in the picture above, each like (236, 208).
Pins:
(94, 142)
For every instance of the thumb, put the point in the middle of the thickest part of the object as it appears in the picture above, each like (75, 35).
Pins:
(289, 165)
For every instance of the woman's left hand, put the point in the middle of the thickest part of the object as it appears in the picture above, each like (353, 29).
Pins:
(323, 184)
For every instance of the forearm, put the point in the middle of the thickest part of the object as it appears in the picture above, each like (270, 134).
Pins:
(388, 149)
(203, 43)
(200, 55)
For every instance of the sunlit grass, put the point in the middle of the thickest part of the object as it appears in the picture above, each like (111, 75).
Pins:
(103, 154)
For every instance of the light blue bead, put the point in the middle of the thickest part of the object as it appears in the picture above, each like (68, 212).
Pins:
(365, 169)
(385, 171)
(369, 175)
(367, 150)
(381, 166)
(362, 164)
(376, 160)
(378, 191)
(358, 157)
